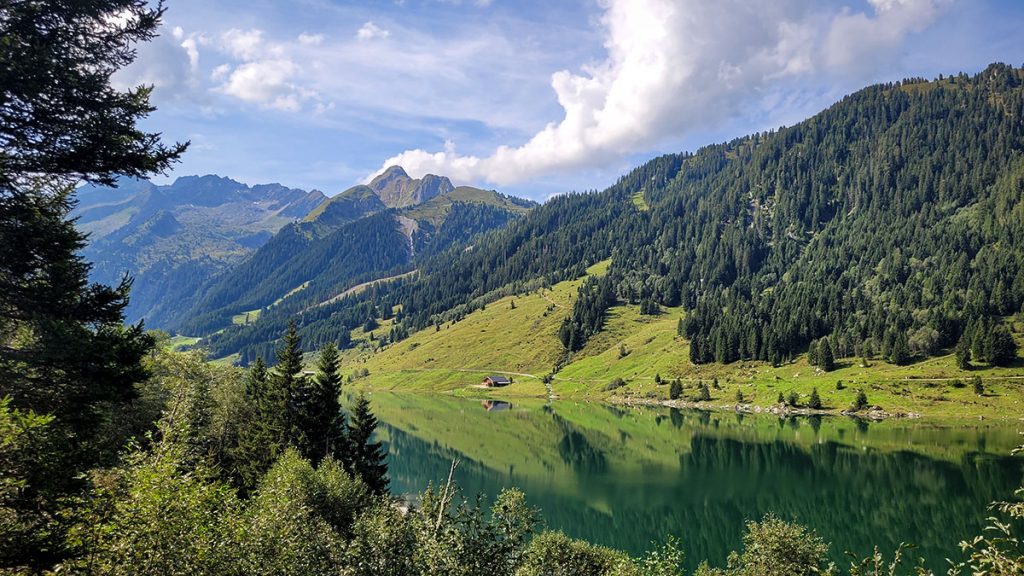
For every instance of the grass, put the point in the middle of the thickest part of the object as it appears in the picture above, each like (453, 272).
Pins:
(639, 201)
(179, 343)
(246, 318)
(521, 340)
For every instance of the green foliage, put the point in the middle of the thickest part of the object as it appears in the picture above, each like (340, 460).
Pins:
(814, 403)
(158, 514)
(664, 561)
(773, 547)
(27, 457)
(979, 387)
(793, 399)
(63, 348)
(555, 554)
(318, 412)
(703, 393)
(963, 354)
(615, 384)
(861, 402)
(588, 312)
(366, 458)
(675, 390)
(299, 518)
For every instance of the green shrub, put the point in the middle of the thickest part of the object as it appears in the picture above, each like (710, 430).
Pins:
(615, 385)
(555, 554)
(861, 402)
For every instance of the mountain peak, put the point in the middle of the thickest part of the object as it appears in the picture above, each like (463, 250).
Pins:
(397, 189)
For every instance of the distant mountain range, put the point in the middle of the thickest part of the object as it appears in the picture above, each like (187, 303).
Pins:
(173, 238)
(207, 248)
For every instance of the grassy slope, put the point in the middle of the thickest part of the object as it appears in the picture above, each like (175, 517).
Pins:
(523, 340)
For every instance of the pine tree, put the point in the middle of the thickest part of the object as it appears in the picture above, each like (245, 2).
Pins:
(675, 390)
(826, 359)
(366, 458)
(899, 354)
(287, 386)
(1001, 347)
(704, 393)
(861, 402)
(318, 412)
(963, 354)
(814, 402)
(65, 351)
(259, 442)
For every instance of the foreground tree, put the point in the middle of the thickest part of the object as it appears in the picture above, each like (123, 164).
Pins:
(63, 349)
(318, 412)
(366, 457)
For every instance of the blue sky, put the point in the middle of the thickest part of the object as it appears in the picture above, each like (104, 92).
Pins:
(533, 98)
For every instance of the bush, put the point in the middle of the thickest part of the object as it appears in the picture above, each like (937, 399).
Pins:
(675, 390)
(979, 387)
(781, 399)
(815, 402)
(793, 399)
(703, 394)
(739, 397)
(615, 385)
(773, 547)
(555, 554)
(861, 402)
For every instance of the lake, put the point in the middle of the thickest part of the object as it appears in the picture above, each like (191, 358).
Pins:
(627, 477)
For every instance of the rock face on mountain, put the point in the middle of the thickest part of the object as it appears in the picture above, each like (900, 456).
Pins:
(397, 189)
(173, 238)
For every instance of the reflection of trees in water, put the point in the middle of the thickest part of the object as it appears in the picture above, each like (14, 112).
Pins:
(576, 451)
(854, 497)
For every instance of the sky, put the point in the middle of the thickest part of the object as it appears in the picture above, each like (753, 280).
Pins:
(533, 98)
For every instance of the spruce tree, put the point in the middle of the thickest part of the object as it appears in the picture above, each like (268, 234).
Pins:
(814, 402)
(318, 411)
(65, 351)
(899, 354)
(1001, 347)
(675, 390)
(366, 458)
(826, 359)
(963, 354)
(259, 442)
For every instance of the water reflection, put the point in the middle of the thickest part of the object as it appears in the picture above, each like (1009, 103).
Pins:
(624, 478)
(496, 405)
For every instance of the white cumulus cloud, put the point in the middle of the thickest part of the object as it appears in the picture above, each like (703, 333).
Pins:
(369, 31)
(675, 66)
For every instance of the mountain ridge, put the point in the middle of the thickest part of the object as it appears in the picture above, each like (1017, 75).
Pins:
(888, 224)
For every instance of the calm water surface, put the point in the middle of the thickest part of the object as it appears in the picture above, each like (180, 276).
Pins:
(627, 477)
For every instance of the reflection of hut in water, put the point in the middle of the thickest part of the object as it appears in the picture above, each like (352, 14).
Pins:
(496, 405)
(494, 381)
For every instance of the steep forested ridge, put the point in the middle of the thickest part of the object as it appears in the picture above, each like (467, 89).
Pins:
(306, 267)
(888, 223)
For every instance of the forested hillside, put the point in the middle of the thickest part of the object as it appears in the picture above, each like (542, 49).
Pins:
(889, 224)
(171, 239)
(308, 266)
